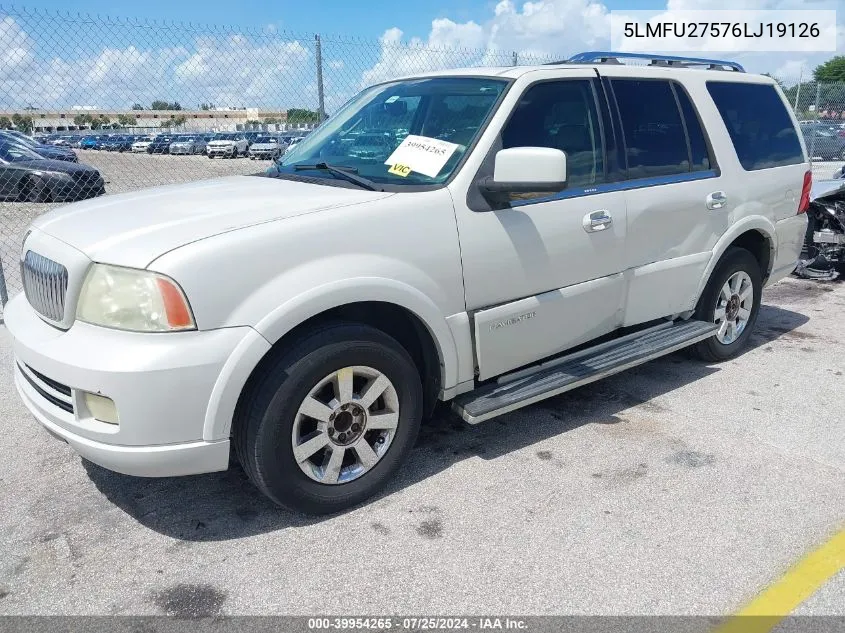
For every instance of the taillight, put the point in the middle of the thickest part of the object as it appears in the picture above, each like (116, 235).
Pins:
(804, 201)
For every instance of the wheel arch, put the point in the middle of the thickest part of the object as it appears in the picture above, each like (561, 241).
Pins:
(418, 327)
(757, 235)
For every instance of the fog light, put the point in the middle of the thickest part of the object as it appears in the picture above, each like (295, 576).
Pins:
(101, 408)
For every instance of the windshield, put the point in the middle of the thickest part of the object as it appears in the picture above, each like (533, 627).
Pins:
(222, 136)
(11, 153)
(265, 139)
(411, 132)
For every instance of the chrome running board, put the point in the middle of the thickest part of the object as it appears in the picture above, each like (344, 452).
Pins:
(513, 391)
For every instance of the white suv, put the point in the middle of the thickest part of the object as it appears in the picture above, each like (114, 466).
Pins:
(231, 144)
(309, 319)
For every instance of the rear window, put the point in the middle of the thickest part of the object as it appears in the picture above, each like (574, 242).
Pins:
(758, 123)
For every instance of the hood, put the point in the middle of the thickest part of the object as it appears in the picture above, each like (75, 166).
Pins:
(825, 188)
(222, 142)
(133, 229)
(265, 146)
(142, 142)
(63, 166)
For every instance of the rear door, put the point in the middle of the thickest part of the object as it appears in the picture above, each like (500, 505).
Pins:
(673, 188)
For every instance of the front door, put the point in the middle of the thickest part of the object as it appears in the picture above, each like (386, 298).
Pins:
(544, 273)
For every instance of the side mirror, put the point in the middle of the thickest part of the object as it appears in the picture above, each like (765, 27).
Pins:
(527, 170)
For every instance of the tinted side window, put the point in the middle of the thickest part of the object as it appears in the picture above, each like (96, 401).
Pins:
(758, 124)
(561, 115)
(698, 146)
(655, 141)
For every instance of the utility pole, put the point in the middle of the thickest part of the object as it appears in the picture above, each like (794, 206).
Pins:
(321, 107)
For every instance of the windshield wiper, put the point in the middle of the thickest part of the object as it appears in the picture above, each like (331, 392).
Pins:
(346, 173)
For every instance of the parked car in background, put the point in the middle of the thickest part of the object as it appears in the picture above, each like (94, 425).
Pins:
(119, 144)
(227, 144)
(29, 177)
(293, 143)
(63, 141)
(141, 144)
(823, 141)
(45, 151)
(87, 142)
(265, 147)
(160, 144)
(188, 145)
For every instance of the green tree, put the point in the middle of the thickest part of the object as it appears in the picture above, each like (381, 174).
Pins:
(206, 106)
(81, 120)
(137, 106)
(125, 120)
(299, 115)
(832, 70)
(272, 120)
(22, 123)
(174, 122)
(158, 104)
(5, 123)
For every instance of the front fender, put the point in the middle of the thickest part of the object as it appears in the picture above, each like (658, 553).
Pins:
(317, 300)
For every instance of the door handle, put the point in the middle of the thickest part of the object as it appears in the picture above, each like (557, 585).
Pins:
(597, 221)
(716, 200)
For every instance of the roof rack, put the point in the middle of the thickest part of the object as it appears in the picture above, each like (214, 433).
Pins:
(610, 57)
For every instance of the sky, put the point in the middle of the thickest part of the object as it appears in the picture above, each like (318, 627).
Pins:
(104, 54)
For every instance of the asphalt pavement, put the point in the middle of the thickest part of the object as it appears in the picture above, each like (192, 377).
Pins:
(676, 488)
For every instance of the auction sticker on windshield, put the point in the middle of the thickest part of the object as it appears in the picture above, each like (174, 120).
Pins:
(422, 154)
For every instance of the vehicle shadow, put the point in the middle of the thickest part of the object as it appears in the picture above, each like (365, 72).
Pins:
(223, 506)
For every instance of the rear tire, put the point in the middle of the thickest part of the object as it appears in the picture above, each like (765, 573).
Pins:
(737, 271)
(270, 419)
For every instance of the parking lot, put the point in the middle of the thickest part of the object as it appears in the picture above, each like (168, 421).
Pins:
(675, 488)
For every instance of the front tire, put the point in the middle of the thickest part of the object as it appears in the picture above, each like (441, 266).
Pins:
(731, 299)
(330, 420)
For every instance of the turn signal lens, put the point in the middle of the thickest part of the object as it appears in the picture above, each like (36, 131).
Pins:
(175, 306)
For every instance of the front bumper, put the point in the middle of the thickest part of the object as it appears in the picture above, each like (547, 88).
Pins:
(64, 191)
(264, 153)
(164, 387)
(182, 150)
(226, 150)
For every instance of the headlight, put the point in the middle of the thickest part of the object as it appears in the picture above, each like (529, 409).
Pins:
(131, 299)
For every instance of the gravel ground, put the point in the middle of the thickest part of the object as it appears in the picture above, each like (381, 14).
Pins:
(675, 488)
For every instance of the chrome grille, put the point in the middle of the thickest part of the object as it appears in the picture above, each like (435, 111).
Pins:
(45, 285)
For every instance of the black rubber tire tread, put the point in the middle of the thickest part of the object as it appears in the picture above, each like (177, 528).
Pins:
(735, 259)
(263, 424)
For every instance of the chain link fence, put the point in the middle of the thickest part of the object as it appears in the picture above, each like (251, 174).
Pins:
(93, 105)
(117, 105)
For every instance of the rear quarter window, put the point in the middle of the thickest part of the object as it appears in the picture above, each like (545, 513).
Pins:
(758, 123)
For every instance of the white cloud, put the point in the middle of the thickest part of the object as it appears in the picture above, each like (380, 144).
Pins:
(260, 70)
(555, 29)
